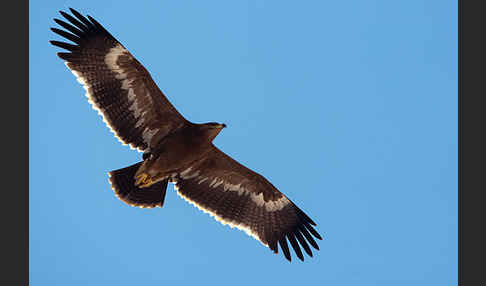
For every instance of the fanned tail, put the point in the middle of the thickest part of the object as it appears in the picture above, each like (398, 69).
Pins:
(123, 183)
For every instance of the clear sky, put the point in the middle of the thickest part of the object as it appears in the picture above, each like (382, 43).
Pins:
(348, 107)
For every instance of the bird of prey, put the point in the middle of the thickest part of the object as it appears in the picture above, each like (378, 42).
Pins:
(174, 149)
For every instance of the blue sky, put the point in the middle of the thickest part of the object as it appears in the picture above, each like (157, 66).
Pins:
(348, 107)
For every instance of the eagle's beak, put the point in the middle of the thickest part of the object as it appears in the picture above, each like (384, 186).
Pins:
(223, 125)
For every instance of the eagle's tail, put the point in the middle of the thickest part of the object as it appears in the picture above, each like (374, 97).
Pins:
(123, 183)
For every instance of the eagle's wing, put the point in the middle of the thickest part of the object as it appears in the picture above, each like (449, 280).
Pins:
(239, 197)
(117, 85)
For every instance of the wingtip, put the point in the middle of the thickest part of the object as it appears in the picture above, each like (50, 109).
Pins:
(285, 248)
(65, 57)
(58, 21)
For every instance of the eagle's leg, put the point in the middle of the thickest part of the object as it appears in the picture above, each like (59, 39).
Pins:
(142, 177)
(143, 180)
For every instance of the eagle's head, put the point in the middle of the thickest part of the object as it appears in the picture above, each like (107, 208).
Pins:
(212, 129)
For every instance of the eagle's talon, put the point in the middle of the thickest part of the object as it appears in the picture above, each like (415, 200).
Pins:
(143, 180)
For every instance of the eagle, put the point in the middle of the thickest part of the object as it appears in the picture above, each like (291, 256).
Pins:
(174, 149)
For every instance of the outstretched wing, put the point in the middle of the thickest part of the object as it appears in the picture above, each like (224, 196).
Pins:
(239, 197)
(117, 85)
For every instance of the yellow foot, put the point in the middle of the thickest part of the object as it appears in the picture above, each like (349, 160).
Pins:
(143, 180)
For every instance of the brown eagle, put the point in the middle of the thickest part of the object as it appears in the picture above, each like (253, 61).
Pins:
(174, 149)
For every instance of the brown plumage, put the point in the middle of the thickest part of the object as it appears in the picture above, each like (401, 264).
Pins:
(175, 149)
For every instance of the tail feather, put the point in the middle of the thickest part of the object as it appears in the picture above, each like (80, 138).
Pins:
(123, 183)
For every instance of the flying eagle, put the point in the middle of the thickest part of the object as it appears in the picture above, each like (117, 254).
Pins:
(174, 149)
